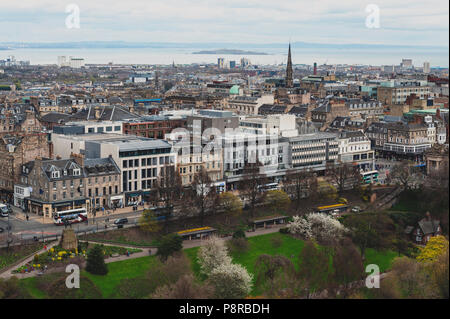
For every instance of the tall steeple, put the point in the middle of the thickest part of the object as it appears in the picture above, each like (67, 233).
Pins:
(289, 73)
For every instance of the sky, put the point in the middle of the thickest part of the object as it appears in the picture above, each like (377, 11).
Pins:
(405, 22)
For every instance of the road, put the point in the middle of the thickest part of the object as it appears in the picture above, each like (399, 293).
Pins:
(23, 229)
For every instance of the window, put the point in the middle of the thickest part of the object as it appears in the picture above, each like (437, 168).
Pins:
(109, 129)
(100, 129)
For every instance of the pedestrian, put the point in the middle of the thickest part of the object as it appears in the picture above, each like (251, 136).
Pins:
(128, 253)
(28, 217)
(45, 247)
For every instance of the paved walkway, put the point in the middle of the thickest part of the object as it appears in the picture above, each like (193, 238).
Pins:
(7, 272)
(145, 251)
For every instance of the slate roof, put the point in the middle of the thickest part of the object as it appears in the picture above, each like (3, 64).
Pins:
(429, 226)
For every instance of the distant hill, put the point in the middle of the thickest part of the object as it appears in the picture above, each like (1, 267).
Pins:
(230, 51)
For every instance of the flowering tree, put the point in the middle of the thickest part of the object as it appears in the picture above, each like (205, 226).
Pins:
(435, 247)
(300, 226)
(320, 227)
(213, 254)
(231, 281)
(325, 228)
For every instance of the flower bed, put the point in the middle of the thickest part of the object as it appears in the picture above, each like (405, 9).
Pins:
(56, 256)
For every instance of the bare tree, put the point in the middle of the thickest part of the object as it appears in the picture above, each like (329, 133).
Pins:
(343, 175)
(250, 185)
(169, 191)
(203, 193)
(300, 184)
(405, 173)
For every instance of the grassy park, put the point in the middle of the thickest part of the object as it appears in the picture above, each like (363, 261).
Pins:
(272, 244)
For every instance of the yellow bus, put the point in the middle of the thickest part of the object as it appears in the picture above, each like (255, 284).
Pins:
(196, 233)
(336, 208)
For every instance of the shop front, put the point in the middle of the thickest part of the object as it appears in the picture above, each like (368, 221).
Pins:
(21, 192)
(133, 198)
(116, 201)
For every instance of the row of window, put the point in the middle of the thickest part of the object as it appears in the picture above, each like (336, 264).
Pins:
(101, 129)
(151, 161)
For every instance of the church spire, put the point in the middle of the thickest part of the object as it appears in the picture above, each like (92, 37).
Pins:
(289, 73)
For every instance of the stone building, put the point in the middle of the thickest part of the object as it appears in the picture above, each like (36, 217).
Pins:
(56, 186)
(16, 150)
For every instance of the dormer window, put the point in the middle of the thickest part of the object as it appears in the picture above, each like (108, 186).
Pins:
(76, 172)
(65, 172)
(55, 174)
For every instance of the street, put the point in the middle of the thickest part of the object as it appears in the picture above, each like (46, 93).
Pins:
(22, 229)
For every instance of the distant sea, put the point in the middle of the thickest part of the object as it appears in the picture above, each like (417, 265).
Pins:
(438, 57)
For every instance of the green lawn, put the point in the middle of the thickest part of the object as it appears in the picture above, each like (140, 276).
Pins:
(381, 258)
(119, 270)
(30, 285)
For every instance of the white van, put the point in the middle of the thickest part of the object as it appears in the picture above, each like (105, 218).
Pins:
(4, 210)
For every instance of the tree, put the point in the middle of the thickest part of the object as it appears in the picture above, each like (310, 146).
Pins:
(203, 193)
(169, 190)
(300, 184)
(184, 288)
(347, 264)
(148, 221)
(230, 281)
(300, 226)
(326, 229)
(320, 227)
(277, 200)
(344, 175)
(213, 254)
(412, 278)
(95, 263)
(314, 264)
(404, 173)
(440, 274)
(436, 246)
(374, 230)
(231, 203)
(275, 275)
(250, 184)
(169, 245)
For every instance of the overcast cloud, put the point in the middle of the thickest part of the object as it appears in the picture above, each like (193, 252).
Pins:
(322, 21)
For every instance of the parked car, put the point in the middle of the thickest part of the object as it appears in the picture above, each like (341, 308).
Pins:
(121, 221)
(356, 209)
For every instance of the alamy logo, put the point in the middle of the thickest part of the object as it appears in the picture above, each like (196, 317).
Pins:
(373, 19)
(73, 280)
(73, 19)
(373, 280)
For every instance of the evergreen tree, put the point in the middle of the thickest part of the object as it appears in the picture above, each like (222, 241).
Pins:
(96, 262)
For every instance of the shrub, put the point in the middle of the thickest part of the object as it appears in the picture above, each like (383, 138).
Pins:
(240, 233)
(184, 288)
(284, 230)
